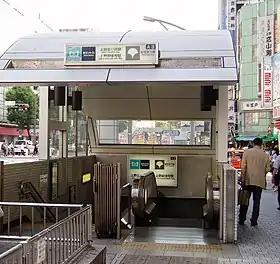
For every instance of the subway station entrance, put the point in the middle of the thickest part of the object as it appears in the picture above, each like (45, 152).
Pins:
(155, 110)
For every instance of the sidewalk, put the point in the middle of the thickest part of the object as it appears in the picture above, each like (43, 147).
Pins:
(262, 241)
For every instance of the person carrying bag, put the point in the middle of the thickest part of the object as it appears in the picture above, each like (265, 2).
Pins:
(243, 197)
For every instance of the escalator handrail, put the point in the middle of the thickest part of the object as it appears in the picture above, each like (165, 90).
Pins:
(50, 215)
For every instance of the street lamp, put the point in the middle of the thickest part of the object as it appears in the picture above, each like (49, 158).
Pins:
(161, 22)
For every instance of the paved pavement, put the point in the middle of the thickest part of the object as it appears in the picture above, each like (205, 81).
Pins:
(256, 245)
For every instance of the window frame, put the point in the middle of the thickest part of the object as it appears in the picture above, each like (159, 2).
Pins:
(169, 146)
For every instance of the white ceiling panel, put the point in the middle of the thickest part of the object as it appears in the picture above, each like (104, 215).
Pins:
(178, 109)
(174, 91)
(132, 91)
(117, 109)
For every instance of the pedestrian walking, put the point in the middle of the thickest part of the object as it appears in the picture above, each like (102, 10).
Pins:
(254, 167)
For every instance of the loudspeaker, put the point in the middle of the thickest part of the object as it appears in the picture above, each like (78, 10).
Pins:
(208, 97)
(59, 95)
(77, 100)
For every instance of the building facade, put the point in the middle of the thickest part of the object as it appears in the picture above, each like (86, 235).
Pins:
(228, 20)
(257, 42)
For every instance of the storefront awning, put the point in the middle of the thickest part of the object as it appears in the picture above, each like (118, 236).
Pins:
(12, 131)
(251, 138)
(245, 138)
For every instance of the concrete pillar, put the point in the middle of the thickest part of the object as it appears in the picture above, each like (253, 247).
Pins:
(222, 125)
(44, 123)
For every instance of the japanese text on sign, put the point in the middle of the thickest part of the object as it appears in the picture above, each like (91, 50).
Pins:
(267, 85)
(265, 36)
(268, 40)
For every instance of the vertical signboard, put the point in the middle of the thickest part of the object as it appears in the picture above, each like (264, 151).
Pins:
(266, 94)
(276, 86)
(265, 36)
(277, 30)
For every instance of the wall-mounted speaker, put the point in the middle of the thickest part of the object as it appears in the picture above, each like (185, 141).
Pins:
(77, 100)
(59, 95)
(208, 97)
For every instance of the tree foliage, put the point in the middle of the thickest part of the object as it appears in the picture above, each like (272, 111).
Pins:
(23, 95)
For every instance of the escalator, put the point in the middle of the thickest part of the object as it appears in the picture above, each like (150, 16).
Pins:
(151, 208)
(27, 189)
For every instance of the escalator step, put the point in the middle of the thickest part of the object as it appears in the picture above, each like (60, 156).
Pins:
(179, 222)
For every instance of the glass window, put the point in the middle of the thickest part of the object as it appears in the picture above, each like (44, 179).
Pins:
(82, 134)
(156, 132)
(71, 133)
(254, 26)
(53, 111)
(56, 142)
(254, 53)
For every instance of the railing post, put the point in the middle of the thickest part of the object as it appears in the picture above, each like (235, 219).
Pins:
(119, 201)
(89, 223)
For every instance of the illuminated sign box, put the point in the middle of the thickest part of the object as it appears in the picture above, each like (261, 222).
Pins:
(86, 177)
(163, 166)
(111, 55)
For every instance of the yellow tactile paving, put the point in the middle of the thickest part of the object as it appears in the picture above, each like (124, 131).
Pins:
(170, 247)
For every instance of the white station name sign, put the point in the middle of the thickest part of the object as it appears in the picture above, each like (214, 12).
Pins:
(111, 55)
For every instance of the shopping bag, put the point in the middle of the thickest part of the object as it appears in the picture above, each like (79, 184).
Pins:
(243, 197)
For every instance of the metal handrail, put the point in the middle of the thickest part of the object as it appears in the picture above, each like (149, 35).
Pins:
(40, 204)
(13, 255)
(59, 243)
(43, 206)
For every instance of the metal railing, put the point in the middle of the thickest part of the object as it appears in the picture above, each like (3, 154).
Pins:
(59, 243)
(20, 209)
(13, 255)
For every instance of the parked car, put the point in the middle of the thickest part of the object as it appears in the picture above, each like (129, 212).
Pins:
(25, 146)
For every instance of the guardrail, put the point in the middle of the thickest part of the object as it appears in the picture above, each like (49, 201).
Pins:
(59, 243)
(13, 255)
(23, 208)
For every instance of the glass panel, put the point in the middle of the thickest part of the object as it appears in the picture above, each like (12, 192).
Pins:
(156, 132)
(53, 111)
(56, 142)
(71, 133)
(54, 180)
(82, 133)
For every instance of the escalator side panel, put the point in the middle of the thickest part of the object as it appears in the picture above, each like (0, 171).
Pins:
(144, 194)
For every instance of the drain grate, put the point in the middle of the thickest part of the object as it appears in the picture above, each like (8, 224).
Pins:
(170, 247)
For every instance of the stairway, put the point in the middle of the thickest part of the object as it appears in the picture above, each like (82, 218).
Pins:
(27, 189)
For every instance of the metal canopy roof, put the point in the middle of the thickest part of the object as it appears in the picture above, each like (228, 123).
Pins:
(172, 45)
